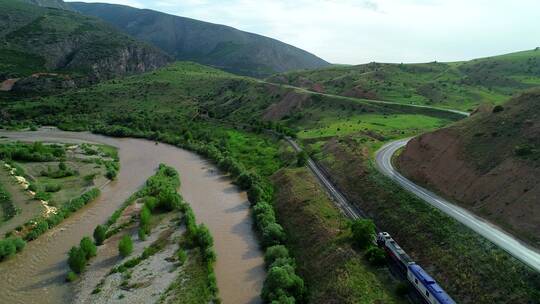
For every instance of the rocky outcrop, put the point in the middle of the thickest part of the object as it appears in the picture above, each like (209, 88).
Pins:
(52, 48)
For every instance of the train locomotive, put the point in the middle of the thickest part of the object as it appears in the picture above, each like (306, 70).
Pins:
(426, 286)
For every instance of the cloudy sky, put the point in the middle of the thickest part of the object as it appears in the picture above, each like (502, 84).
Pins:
(360, 31)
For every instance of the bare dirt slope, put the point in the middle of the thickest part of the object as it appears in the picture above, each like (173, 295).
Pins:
(489, 163)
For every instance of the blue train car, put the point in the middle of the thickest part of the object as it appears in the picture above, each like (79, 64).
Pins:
(426, 286)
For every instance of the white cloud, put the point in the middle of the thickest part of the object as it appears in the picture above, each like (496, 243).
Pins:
(357, 31)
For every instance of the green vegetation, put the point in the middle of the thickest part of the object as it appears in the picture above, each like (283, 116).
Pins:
(387, 126)
(10, 246)
(457, 85)
(8, 209)
(465, 265)
(53, 175)
(319, 232)
(78, 257)
(363, 232)
(125, 246)
(99, 234)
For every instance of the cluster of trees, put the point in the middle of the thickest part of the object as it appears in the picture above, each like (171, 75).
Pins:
(282, 284)
(62, 171)
(111, 168)
(10, 246)
(35, 152)
(78, 257)
(363, 235)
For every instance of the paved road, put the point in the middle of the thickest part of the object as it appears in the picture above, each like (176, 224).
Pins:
(491, 232)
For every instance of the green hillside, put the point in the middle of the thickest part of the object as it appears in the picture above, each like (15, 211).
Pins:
(211, 44)
(457, 85)
(35, 39)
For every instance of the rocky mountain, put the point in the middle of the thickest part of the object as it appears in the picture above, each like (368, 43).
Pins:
(216, 45)
(55, 48)
(489, 163)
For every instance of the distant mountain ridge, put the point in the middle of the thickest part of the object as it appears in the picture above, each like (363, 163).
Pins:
(216, 45)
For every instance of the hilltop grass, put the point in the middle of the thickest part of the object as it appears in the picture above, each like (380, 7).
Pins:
(457, 85)
(388, 126)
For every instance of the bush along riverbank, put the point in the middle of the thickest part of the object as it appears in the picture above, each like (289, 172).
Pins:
(184, 248)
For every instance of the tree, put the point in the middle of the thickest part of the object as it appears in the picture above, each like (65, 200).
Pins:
(363, 232)
(168, 200)
(275, 252)
(273, 234)
(125, 246)
(376, 256)
(88, 247)
(100, 233)
(301, 159)
(77, 259)
(282, 282)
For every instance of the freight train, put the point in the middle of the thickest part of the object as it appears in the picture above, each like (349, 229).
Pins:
(426, 286)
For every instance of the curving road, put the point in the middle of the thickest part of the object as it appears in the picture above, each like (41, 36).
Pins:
(491, 232)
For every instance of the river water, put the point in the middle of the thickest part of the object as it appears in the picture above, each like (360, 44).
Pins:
(37, 274)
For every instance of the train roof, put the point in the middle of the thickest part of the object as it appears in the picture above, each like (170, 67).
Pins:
(430, 284)
(402, 254)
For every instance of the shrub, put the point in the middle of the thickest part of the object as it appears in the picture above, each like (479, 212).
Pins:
(88, 247)
(150, 202)
(7, 248)
(498, 108)
(125, 246)
(145, 216)
(71, 276)
(52, 187)
(301, 159)
(77, 259)
(273, 234)
(282, 283)
(141, 234)
(204, 238)
(376, 256)
(100, 234)
(363, 232)
(169, 200)
(182, 256)
(275, 252)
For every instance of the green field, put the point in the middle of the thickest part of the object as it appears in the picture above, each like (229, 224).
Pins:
(388, 126)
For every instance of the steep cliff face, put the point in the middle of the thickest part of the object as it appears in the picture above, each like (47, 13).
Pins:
(489, 164)
(211, 44)
(37, 39)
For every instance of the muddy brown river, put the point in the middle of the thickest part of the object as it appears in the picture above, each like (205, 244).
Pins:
(37, 274)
